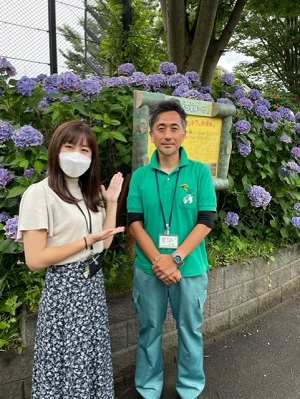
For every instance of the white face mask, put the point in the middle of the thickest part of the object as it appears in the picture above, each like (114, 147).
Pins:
(74, 164)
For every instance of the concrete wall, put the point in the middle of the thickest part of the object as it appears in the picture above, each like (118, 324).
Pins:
(236, 294)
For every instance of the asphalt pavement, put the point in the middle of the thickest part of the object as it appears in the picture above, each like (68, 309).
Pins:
(260, 360)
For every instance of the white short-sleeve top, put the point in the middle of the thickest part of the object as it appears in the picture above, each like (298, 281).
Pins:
(42, 208)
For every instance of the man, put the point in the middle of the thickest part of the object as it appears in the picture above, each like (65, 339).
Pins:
(171, 204)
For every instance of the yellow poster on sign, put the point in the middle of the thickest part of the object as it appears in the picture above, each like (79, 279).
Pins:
(202, 142)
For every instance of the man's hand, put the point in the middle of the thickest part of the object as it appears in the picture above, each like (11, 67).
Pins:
(165, 269)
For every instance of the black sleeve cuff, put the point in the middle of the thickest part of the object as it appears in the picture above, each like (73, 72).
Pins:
(134, 217)
(206, 217)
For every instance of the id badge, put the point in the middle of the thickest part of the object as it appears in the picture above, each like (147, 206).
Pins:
(168, 241)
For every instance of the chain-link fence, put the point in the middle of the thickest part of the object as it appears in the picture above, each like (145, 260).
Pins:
(25, 35)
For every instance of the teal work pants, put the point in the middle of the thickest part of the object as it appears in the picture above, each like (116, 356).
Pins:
(186, 299)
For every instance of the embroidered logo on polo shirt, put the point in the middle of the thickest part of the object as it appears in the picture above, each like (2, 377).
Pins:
(188, 199)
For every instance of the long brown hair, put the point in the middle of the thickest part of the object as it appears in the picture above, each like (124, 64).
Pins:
(73, 132)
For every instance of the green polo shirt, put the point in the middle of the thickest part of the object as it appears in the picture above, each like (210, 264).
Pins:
(182, 193)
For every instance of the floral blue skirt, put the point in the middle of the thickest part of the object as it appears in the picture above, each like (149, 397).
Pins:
(72, 358)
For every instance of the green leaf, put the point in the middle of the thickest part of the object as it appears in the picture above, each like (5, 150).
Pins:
(119, 136)
(15, 191)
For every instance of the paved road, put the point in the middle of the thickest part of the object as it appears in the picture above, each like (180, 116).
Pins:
(259, 361)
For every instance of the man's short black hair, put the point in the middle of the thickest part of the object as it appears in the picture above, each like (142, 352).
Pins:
(165, 106)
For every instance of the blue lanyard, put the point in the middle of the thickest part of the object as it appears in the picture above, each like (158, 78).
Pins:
(167, 225)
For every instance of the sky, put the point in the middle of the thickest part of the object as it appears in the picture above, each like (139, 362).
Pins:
(24, 37)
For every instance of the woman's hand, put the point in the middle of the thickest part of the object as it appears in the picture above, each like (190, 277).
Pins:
(103, 235)
(111, 194)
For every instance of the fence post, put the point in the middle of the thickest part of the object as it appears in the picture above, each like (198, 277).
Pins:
(52, 36)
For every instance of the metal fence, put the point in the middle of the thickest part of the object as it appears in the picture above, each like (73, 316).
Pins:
(25, 33)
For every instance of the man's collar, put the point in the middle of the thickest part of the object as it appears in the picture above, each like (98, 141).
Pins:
(154, 163)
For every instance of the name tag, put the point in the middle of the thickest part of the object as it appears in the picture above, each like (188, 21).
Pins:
(168, 241)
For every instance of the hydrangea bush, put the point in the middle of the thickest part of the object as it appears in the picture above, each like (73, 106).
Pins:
(262, 202)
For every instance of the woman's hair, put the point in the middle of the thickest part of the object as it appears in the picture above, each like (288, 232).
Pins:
(73, 132)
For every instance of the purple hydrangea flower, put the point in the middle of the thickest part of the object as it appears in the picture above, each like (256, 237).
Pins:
(262, 111)
(91, 86)
(4, 216)
(263, 102)
(242, 126)
(259, 197)
(227, 78)
(232, 219)
(156, 81)
(276, 116)
(50, 84)
(224, 101)
(285, 172)
(293, 166)
(206, 90)
(69, 81)
(11, 227)
(297, 116)
(270, 126)
(254, 94)
(244, 147)
(245, 103)
(26, 85)
(295, 151)
(285, 139)
(286, 113)
(28, 173)
(296, 127)
(297, 207)
(239, 93)
(27, 136)
(180, 91)
(41, 77)
(126, 69)
(138, 79)
(193, 93)
(167, 68)
(6, 67)
(296, 221)
(42, 105)
(116, 81)
(177, 79)
(5, 177)
(193, 77)
(5, 131)
(207, 97)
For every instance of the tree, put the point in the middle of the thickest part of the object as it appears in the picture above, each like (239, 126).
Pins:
(270, 34)
(117, 32)
(198, 32)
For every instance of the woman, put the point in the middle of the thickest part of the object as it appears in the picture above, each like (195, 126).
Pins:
(64, 226)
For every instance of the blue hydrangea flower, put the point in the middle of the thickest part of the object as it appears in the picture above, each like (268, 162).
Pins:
(224, 101)
(41, 77)
(245, 103)
(297, 116)
(295, 151)
(276, 116)
(116, 81)
(193, 93)
(180, 91)
(193, 77)
(177, 79)
(296, 127)
(69, 81)
(206, 90)
(50, 84)
(5, 131)
(27, 136)
(263, 102)
(126, 69)
(262, 110)
(244, 147)
(296, 221)
(26, 86)
(6, 67)
(138, 79)
(293, 166)
(242, 126)
(28, 173)
(207, 97)
(285, 139)
(167, 68)
(259, 197)
(4, 216)
(227, 78)
(297, 207)
(239, 93)
(91, 86)
(232, 219)
(285, 171)
(156, 81)
(11, 227)
(270, 126)
(42, 105)
(5, 177)
(254, 94)
(286, 113)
